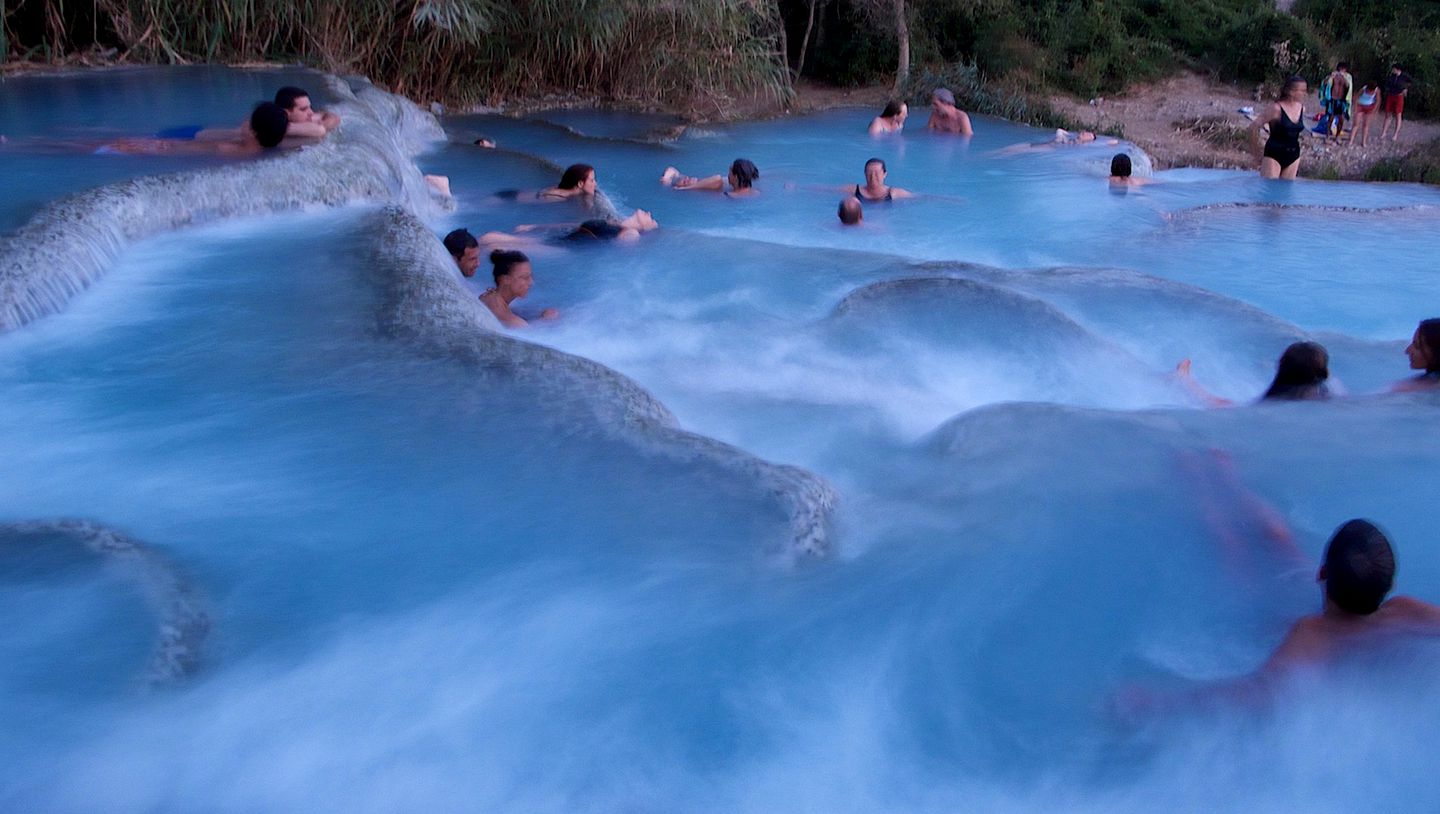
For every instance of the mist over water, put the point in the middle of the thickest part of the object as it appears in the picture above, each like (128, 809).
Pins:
(440, 573)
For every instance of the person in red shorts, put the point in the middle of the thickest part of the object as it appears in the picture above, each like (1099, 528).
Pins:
(1396, 85)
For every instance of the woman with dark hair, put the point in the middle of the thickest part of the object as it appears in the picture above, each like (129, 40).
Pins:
(1280, 157)
(1122, 172)
(891, 119)
(1301, 375)
(624, 230)
(875, 188)
(577, 181)
(1424, 353)
(742, 176)
(513, 278)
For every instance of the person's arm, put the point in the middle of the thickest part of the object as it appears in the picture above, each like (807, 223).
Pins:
(931, 124)
(305, 130)
(877, 127)
(897, 192)
(1182, 375)
(714, 183)
(964, 119)
(1257, 148)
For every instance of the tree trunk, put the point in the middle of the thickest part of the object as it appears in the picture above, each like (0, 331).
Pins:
(902, 33)
(805, 41)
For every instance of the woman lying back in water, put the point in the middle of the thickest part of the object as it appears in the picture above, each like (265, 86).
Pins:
(626, 230)
(578, 181)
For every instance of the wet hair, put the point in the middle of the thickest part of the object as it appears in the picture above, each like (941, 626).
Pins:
(458, 241)
(1120, 165)
(745, 173)
(574, 176)
(1301, 373)
(1359, 567)
(1342, 66)
(505, 261)
(850, 211)
(1289, 83)
(1427, 334)
(892, 109)
(879, 161)
(288, 95)
(269, 121)
(596, 230)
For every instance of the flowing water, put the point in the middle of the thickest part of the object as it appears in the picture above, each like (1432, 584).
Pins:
(777, 517)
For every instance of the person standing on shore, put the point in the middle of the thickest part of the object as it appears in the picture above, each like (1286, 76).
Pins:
(1365, 107)
(1280, 157)
(1396, 86)
(1336, 93)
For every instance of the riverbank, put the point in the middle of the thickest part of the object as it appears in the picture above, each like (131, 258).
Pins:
(1189, 121)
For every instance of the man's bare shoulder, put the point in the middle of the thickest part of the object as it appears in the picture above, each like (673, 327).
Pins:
(1408, 610)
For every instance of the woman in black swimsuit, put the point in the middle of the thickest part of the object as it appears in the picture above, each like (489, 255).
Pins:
(874, 188)
(1280, 157)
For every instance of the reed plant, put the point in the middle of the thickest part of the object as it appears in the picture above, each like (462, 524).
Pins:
(677, 52)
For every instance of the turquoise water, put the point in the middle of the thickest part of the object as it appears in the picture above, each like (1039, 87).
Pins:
(438, 585)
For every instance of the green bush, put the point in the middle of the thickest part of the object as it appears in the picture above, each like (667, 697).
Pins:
(974, 93)
(1421, 166)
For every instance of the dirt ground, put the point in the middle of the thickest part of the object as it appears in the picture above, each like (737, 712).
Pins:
(1188, 121)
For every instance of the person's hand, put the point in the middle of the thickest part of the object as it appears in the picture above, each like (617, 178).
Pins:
(550, 313)
(526, 227)
(1183, 369)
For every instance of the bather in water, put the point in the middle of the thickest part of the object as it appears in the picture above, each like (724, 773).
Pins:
(513, 278)
(741, 178)
(1301, 375)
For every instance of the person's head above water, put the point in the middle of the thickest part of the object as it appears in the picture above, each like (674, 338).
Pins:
(269, 122)
(1424, 349)
(875, 172)
(1359, 568)
(895, 109)
(1342, 66)
(296, 102)
(465, 249)
(943, 96)
(511, 271)
(743, 173)
(1120, 166)
(578, 176)
(851, 212)
(1301, 373)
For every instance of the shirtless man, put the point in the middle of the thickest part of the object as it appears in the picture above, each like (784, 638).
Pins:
(513, 278)
(945, 117)
(305, 121)
(266, 129)
(1357, 573)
